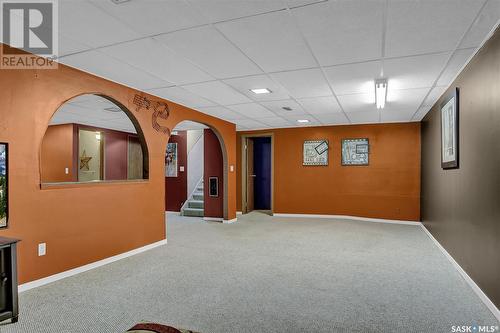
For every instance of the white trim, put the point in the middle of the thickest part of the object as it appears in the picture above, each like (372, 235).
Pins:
(347, 217)
(84, 268)
(230, 221)
(172, 212)
(239, 213)
(218, 219)
(489, 304)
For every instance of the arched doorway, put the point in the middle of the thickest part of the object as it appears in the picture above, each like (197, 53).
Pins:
(196, 172)
(92, 138)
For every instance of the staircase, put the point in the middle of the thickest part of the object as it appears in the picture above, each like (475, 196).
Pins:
(194, 204)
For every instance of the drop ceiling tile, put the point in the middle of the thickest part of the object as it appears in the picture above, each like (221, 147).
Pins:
(364, 117)
(218, 92)
(332, 118)
(485, 22)
(252, 110)
(417, 27)
(354, 78)
(69, 46)
(275, 122)
(250, 124)
(244, 84)
(343, 31)
(206, 47)
(421, 113)
(222, 112)
(304, 83)
(277, 107)
(320, 105)
(153, 57)
(299, 3)
(434, 95)
(414, 72)
(105, 66)
(402, 104)
(223, 10)
(151, 17)
(181, 96)
(272, 40)
(358, 103)
(85, 23)
(457, 61)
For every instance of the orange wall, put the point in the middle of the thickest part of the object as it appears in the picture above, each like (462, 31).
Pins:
(83, 223)
(388, 188)
(57, 150)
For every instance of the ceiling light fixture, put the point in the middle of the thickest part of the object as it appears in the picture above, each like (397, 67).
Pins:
(302, 121)
(380, 93)
(259, 91)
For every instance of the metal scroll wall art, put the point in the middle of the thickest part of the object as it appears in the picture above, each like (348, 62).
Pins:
(160, 110)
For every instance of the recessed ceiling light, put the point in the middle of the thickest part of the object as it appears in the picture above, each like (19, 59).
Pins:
(302, 121)
(380, 92)
(287, 108)
(259, 91)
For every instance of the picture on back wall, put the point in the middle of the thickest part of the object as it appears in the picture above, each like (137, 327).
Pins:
(171, 160)
(315, 152)
(355, 152)
(4, 204)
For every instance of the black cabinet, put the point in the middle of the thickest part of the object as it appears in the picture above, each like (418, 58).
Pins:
(8, 280)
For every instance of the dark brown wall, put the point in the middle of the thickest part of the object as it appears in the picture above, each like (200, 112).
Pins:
(177, 186)
(213, 167)
(116, 155)
(461, 207)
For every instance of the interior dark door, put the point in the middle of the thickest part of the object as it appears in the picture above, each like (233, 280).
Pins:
(250, 175)
(262, 171)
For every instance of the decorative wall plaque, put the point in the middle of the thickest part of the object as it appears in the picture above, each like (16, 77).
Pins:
(355, 151)
(315, 152)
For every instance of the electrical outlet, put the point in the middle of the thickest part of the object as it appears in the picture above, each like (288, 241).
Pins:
(42, 249)
(66, 171)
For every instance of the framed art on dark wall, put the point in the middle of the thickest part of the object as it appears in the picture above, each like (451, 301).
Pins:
(449, 130)
(4, 183)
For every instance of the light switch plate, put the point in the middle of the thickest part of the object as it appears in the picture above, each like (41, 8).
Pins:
(42, 249)
(231, 168)
(66, 171)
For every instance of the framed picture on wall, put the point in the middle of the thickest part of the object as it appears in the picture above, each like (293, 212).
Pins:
(449, 131)
(171, 160)
(315, 152)
(4, 183)
(355, 152)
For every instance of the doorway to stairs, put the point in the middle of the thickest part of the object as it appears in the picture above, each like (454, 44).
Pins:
(257, 173)
(194, 172)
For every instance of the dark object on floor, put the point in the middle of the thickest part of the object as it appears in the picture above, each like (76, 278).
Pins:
(156, 328)
(8, 280)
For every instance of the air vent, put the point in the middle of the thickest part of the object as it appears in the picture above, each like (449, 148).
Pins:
(113, 109)
(117, 2)
(287, 108)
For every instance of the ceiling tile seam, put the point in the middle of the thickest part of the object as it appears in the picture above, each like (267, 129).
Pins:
(189, 92)
(384, 35)
(449, 59)
(213, 25)
(325, 77)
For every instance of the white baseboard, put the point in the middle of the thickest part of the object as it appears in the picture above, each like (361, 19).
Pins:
(239, 213)
(216, 219)
(489, 304)
(230, 221)
(348, 217)
(172, 212)
(49, 279)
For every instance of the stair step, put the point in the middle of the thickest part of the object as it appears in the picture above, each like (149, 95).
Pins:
(195, 204)
(198, 196)
(198, 212)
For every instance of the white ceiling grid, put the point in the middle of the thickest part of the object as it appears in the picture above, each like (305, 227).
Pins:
(318, 58)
